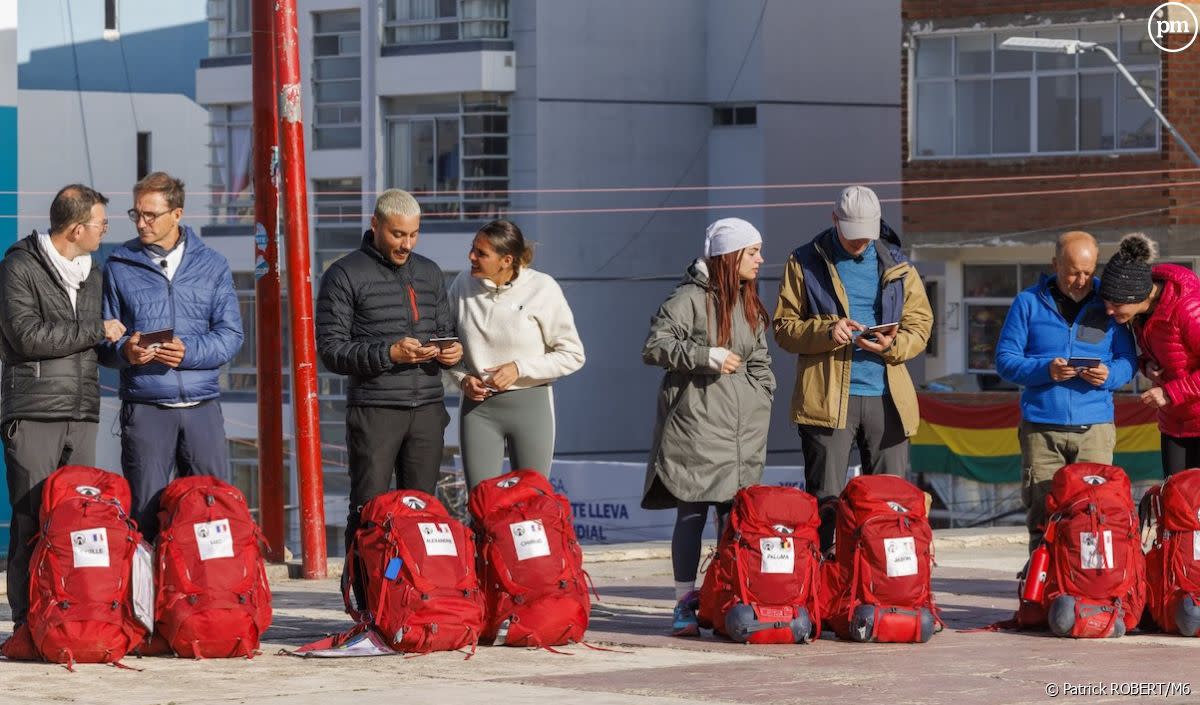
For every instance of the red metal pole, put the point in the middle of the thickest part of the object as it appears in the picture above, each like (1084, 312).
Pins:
(299, 275)
(268, 346)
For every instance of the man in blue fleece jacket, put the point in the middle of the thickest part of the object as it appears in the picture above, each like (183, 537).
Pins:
(1066, 409)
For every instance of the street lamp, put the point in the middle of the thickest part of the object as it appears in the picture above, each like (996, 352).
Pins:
(1075, 46)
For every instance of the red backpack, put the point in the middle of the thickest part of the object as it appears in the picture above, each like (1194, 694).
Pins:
(213, 599)
(530, 565)
(1094, 577)
(1173, 563)
(879, 586)
(80, 608)
(762, 586)
(417, 568)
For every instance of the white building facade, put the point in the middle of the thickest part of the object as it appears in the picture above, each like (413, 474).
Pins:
(597, 127)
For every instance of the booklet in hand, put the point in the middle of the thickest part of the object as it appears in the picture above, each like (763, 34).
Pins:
(156, 338)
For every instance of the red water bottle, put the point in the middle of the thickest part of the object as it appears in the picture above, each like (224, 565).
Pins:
(1035, 575)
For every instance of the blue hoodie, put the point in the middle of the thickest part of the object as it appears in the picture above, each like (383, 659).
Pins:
(199, 303)
(1035, 333)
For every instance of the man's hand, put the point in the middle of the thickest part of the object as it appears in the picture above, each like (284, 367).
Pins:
(843, 331)
(503, 376)
(1154, 372)
(410, 350)
(474, 389)
(450, 355)
(1095, 376)
(1060, 371)
(882, 339)
(113, 330)
(732, 362)
(170, 354)
(136, 354)
(1155, 397)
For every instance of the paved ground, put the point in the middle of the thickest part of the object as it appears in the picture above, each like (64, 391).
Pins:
(974, 585)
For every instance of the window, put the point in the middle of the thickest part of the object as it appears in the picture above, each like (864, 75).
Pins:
(228, 27)
(110, 15)
(427, 21)
(988, 293)
(452, 150)
(337, 84)
(243, 468)
(725, 115)
(231, 172)
(338, 219)
(971, 98)
(241, 375)
(143, 154)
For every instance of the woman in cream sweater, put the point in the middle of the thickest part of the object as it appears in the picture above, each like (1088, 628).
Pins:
(518, 336)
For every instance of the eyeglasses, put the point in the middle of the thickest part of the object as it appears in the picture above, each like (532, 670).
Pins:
(103, 225)
(148, 218)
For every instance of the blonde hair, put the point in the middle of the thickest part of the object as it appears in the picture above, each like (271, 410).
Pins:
(395, 202)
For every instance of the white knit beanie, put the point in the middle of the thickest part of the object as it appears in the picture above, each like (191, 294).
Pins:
(729, 235)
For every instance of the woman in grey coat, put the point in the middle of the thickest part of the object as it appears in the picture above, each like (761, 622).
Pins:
(714, 406)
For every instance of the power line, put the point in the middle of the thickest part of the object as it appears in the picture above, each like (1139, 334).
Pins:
(721, 187)
(87, 150)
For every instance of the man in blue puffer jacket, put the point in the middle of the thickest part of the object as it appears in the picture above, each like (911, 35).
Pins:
(168, 280)
(1049, 335)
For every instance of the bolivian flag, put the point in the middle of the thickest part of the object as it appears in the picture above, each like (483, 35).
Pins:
(980, 442)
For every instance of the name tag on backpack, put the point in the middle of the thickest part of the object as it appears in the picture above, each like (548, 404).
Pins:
(901, 556)
(529, 538)
(1196, 545)
(778, 555)
(214, 539)
(439, 540)
(90, 548)
(1091, 555)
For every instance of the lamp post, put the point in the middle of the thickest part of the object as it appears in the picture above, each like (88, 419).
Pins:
(1076, 46)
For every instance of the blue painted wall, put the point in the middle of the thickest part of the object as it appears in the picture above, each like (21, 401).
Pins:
(161, 60)
(8, 235)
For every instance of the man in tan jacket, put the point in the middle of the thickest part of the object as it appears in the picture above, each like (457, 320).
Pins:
(854, 311)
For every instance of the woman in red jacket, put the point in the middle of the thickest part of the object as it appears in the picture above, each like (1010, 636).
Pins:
(1162, 304)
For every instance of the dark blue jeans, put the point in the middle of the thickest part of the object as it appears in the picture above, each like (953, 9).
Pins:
(159, 443)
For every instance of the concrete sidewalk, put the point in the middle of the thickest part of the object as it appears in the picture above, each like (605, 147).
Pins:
(973, 582)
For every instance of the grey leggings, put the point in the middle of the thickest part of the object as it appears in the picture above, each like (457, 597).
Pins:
(524, 418)
(689, 531)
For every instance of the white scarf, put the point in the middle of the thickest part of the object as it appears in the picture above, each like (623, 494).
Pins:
(72, 272)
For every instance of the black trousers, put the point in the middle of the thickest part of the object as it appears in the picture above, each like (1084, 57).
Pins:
(385, 442)
(1179, 454)
(33, 450)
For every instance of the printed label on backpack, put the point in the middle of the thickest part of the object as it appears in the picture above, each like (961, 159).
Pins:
(214, 539)
(778, 555)
(1090, 554)
(439, 540)
(529, 538)
(90, 548)
(901, 556)
(1196, 545)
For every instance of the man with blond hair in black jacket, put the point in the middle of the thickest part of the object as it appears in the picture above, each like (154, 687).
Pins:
(377, 310)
